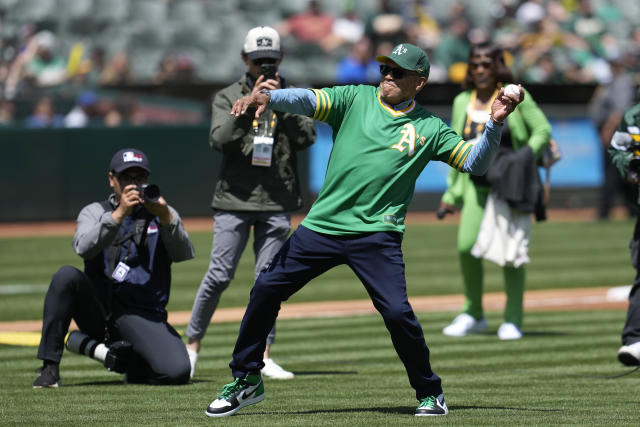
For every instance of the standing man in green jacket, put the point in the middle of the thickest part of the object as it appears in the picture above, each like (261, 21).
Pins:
(258, 184)
(624, 153)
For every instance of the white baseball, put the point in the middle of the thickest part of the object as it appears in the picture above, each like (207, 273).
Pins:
(512, 90)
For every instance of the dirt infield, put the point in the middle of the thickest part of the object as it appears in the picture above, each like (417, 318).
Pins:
(556, 299)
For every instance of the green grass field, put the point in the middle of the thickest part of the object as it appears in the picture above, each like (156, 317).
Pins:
(564, 255)
(347, 370)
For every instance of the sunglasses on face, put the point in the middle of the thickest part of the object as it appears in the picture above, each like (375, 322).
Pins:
(261, 61)
(396, 73)
(476, 65)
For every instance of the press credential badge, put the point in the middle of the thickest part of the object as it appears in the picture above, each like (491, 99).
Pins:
(121, 271)
(262, 151)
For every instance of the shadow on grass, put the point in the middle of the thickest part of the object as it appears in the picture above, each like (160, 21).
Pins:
(501, 408)
(398, 410)
(528, 334)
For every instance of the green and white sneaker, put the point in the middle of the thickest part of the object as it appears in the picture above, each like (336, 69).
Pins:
(432, 406)
(238, 394)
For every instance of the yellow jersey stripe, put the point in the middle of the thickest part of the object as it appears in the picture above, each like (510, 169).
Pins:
(318, 103)
(454, 151)
(464, 159)
(323, 105)
(328, 101)
(464, 149)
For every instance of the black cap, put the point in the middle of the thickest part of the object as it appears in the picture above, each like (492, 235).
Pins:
(129, 158)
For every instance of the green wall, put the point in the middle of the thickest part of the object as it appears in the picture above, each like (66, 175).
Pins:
(50, 174)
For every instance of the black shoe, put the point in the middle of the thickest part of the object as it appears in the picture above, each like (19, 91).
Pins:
(49, 376)
(118, 357)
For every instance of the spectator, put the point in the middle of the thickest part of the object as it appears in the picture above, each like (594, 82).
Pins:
(175, 69)
(117, 71)
(84, 110)
(7, 111)
(359, 66)
(46, 68)
(347, 28)
(454, 44)
(385, 24)
(311, 27)
(606, 108)
(44, 115)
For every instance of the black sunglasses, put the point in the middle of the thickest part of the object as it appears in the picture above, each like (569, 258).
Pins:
(484, 64)
(396, 73)
(261, 61)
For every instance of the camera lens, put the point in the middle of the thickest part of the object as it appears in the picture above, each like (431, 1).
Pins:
(151, 193)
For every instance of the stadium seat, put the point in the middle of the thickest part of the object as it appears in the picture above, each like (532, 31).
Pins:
(109, 12)
(6, 5)
(151, 12)
(188, 13)
(34, 10)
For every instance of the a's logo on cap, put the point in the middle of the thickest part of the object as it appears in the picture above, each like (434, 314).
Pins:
(264, 42)
(130, 156)
(399, 50)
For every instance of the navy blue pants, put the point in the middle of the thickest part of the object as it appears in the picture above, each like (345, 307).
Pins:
(376, 258)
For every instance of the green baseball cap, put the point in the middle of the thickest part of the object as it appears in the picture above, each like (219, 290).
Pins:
(409, 57)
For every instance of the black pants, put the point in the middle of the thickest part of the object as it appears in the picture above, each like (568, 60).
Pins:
(160, 356)
(631, 331)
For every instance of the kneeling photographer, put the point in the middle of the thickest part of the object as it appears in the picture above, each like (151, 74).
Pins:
(128, 243)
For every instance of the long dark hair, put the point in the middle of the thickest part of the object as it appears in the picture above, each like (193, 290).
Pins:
(500, 69)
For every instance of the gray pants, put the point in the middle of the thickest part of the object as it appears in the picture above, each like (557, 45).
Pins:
(230, 235)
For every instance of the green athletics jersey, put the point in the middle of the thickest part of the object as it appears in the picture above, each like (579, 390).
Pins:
(377, 155)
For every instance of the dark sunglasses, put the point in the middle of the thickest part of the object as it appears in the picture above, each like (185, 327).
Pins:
(261, 61)
(396, 73)
(476, 65)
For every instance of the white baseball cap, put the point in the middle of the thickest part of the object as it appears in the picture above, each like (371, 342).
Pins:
(262, 42)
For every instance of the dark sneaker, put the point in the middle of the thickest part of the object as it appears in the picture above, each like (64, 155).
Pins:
(49, 377)
(118, 356)
(238, 394)
(431, 406)
(630, 354)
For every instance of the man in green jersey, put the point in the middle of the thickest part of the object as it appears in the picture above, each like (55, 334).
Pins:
(382, 141)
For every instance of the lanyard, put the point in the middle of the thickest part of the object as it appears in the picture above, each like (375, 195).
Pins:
(471, 107)
(269, 126)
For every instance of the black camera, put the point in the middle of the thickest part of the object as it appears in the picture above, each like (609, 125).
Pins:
(268, 71)
(149, 192)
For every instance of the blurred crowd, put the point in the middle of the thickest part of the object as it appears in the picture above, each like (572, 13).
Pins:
(326, 41)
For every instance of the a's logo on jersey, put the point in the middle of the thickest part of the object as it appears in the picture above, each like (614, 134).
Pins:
(408, 137)
(399, 50)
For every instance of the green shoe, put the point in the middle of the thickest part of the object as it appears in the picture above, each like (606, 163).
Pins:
(432, 406)
(238, 394)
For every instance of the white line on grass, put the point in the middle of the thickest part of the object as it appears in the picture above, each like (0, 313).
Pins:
(23, 289)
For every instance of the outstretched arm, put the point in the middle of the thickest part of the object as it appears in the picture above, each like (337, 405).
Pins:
(295, 100)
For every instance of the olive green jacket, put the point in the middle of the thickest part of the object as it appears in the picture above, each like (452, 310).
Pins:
(242, 186)
(528, 126)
